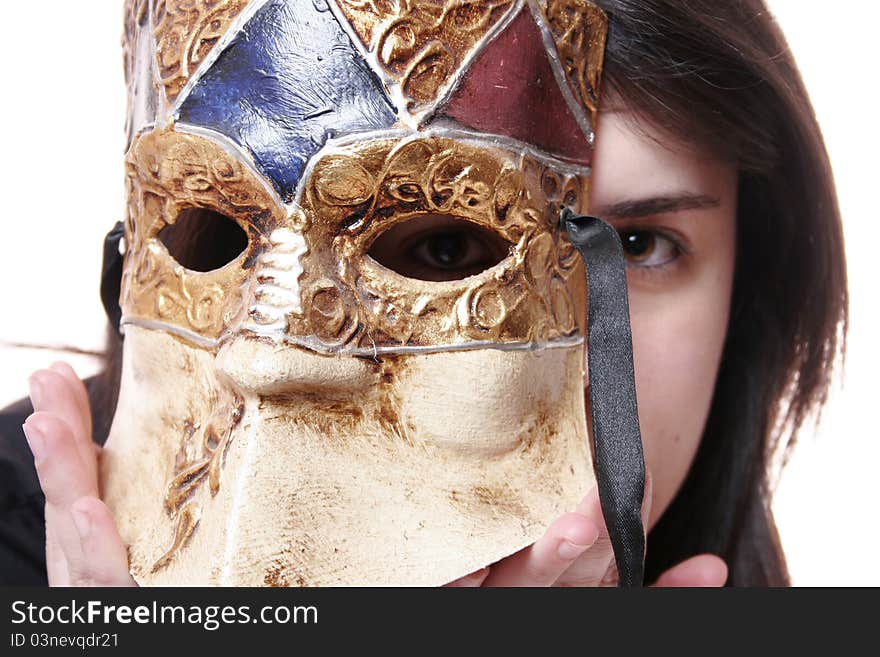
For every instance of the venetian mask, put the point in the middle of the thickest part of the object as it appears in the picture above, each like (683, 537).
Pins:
(377, 377)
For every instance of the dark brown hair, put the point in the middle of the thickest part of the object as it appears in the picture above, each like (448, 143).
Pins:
(717, 73)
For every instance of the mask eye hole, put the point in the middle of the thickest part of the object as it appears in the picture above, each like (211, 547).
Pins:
(203, 240)
(439, 248)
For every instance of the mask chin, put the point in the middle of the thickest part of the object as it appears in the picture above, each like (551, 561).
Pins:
(413, 470)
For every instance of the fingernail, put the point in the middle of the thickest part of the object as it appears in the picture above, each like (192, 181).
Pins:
(36, 391)
(83, 523)
(35, 439)
(570, 551)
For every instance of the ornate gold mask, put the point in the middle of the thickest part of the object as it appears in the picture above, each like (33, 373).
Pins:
(306, 412)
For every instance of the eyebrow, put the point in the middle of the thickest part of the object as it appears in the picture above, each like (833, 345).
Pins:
(646, 207)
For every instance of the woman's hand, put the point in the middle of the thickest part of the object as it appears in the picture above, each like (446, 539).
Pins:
(576, 551)
(83, 547)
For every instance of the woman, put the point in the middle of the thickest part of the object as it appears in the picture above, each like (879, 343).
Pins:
(710, 165)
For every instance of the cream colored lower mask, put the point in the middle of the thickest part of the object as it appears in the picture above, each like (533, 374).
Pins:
(305, 413)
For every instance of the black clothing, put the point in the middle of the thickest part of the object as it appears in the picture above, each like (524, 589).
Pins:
(22, 528)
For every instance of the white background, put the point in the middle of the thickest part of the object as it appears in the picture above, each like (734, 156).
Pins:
(63, 108)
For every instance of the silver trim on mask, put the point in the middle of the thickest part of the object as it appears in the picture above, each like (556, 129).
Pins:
(313, 344)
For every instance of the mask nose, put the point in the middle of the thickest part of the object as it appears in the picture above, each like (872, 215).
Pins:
(289, 301)
(277, 272)
(257, 366)
(262, 358)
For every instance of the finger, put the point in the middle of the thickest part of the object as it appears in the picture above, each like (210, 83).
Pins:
(591, 566)
(63, 476)
(64, 479)
(57, 389)
(52, 392)
(475, 578)
(543, 562)
(78, 388)
(704, 570)
(597, 567)
(104, 557)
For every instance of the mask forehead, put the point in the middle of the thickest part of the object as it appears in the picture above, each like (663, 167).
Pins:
(288, 81)
(286, 77)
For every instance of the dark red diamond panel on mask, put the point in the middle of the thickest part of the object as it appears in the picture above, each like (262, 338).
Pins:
(510, 90)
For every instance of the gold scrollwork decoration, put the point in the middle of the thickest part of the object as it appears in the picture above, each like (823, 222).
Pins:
(579, 31)
(167, 173)
(186, 31)
(199, 460)
(398, 180)
(422, 44)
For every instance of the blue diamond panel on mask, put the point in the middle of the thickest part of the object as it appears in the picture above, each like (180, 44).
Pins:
(287, 82)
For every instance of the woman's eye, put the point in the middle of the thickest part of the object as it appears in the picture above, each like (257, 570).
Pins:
(439, 248)
(448, 250)
(645, 248)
